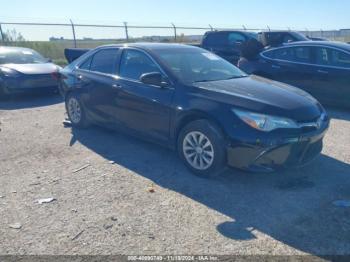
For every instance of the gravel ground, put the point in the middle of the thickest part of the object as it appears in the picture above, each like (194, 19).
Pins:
(117, 195)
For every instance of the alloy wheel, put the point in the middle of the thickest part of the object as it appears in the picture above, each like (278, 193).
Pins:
(74, 110)
(198, 150)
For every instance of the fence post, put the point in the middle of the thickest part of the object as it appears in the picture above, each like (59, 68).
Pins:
(73, 30)
(2, 35)
(307, 32)
(174, 31)
(126, 31)
(211, 28)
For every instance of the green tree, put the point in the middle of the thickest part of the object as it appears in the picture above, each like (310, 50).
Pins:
(13, 36)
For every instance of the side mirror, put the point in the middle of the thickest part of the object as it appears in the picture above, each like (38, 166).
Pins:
(49, 60)
(154, 79)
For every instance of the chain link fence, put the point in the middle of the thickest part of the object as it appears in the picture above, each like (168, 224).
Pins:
(50, 39)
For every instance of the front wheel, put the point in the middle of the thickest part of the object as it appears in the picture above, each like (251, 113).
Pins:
(76, 111)
(202, 148)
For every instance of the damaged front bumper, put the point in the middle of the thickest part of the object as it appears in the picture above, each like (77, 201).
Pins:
(268, 155)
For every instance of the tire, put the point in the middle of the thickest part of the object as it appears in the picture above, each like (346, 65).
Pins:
(76, 111)
(208, 159)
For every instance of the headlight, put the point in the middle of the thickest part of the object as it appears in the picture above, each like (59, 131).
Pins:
(264, 122)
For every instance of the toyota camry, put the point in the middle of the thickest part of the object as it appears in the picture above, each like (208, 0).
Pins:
(193, 101)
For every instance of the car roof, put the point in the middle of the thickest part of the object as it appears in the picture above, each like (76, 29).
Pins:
(152, 46)
(226, 31)
(339, 45)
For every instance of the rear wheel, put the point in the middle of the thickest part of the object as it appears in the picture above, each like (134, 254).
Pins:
(76, 111)
(201, 146)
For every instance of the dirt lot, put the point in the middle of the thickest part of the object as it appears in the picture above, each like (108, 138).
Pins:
(108, 206)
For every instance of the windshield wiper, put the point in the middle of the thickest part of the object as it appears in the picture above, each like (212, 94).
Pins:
(235, 77)
(204, 80)
(212, 80)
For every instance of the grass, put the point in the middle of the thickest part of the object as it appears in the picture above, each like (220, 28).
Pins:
(55, 49)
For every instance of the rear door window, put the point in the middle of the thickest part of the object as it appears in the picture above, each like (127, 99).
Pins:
(322, 56)
(105, 61)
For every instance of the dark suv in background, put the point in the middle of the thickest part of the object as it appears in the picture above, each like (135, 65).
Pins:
(227, 44)
(276, 38)
(230, 44)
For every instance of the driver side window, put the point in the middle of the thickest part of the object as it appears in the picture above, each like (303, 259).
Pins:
(134, 64)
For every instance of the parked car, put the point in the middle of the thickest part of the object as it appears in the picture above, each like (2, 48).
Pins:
(25, 70)
(189, 99)
(320, 68)
(226, 44)
(230, 44)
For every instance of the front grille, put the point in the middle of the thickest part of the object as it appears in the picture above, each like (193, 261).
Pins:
(313, 124)
(38, 81)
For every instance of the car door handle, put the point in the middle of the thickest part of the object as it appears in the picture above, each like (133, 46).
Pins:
(117, 86)
(322, 72)
(276, 66)
(79, 77)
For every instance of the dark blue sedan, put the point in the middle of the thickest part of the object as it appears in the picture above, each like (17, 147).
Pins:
(25, 70)
(191, 100)
(320, 68)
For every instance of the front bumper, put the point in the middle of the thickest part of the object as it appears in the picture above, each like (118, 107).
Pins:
(269, 156)
(33, 90)
(29, 84)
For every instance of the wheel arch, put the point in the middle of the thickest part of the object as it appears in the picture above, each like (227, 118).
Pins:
(194, 115)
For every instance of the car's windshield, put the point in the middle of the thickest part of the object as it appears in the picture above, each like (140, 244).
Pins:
(20, 56)
(300, 36)
(197, 65)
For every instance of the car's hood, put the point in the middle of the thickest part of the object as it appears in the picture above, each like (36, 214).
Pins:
(33, 69)
(264, 96)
